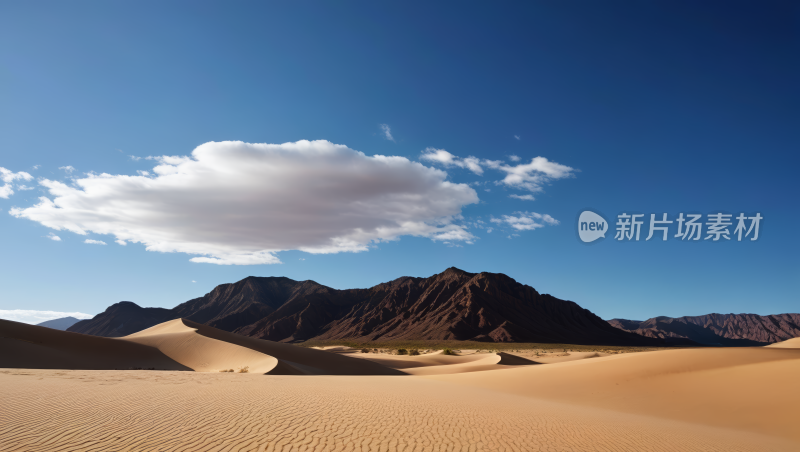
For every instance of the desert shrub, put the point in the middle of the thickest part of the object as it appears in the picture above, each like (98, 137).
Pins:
(364, 350)
(226, 370)
(447, 351)
(413, 352)
(244, 370)
(402, 351)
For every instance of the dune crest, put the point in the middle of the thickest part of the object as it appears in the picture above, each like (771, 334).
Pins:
(788, 343)
(173, 345)
(200, 353)
(437, 363)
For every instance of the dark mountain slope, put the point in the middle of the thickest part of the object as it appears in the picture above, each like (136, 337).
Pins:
(122, 319)
(453, 305)
(717, 329)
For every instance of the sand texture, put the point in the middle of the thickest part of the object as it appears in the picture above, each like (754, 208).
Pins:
(709, 399)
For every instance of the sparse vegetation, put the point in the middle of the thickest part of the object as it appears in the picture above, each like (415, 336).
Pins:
(448, 351)
(244, 370)
(402, 351)
(526, 349)
(413, 352)
(364, 350)
(226, 370)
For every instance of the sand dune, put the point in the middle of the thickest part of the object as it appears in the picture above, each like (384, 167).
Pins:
(175, 345)
(751, 389)
(789, 343)
(183, 344)
(688, 400)
(437, 363)
(36, 347)
(297, 360)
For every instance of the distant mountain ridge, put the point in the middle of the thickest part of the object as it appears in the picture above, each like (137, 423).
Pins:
(122, 319)
(452, 305)
(717, 329)
(59, 324)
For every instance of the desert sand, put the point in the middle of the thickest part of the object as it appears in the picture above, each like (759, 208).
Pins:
(735, 399)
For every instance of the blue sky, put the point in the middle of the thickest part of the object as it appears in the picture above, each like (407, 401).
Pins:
(656, 107)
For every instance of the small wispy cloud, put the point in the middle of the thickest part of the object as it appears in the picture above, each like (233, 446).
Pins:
(94, 242)
(526, 221)
(53, 237)
(531, 176)
(387, 131)
(517, 137)
(9, 177)
(514, 158)
(523, 197)
(134, 158)
(36, 167)
(68, 169)
(121, 242)
(447, 159)
(194, 281)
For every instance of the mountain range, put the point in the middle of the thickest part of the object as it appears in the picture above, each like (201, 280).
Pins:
(717, 329)
(452, 305)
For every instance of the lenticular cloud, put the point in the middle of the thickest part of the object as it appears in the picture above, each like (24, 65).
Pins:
(240, 203)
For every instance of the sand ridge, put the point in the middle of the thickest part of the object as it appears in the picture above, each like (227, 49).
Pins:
(438, 363)
(174, 345)
(200, 353)
(788, 343)
(751, 389)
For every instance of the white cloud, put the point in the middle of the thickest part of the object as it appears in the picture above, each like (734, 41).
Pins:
(8, 177)
(36, 167)
(526, 221)
(24, 187)
(528, 176)
(34, 317)
(447, 159)
(194, 281)
(514, 158)
(121, 242)
(68, 168)
(94, 242)
(517, 137)
(239, 203)
(531, 176)
(134, 158)
(50, 236)
(387, 131)
(143, 172)
(489, 230)
(523, 197)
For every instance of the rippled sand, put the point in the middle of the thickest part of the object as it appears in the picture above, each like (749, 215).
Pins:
(46, 410)
(314, 400)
